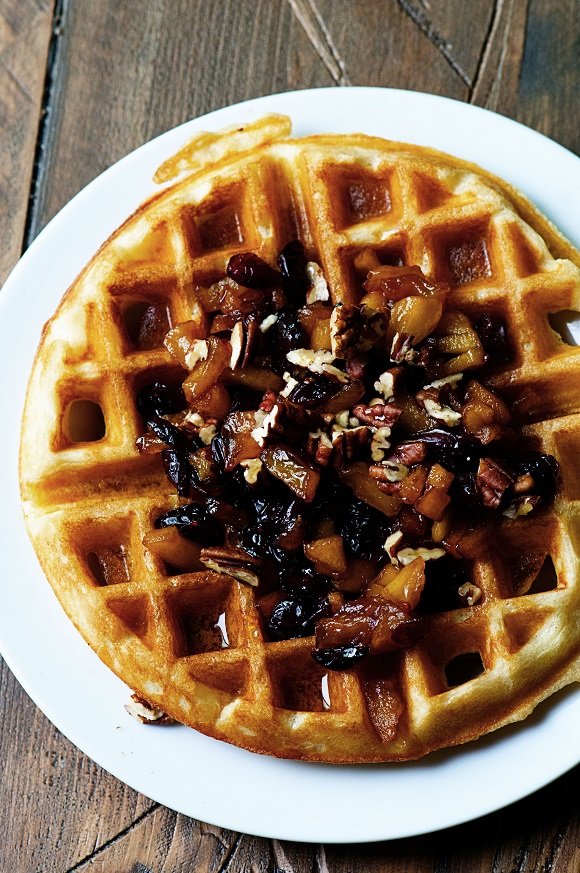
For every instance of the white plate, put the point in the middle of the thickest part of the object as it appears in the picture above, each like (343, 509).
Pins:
(176, 766)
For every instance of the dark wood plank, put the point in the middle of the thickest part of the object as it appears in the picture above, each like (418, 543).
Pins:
(549, 87)
(53, 799)
(402, 48)
(25, 28)
(127, 72)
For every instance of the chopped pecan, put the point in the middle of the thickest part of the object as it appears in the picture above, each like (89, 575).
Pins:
(429, 400)
(355, 369)
(392, 544)
(389, 487)
(401, 348)
(388, 472)
(379, 415)
(408, 454)
(231, 562)
(319, 447)
(389, 382)
(268, 401)
(523, 484)
(469, 594)
(144, 712)
(492, 481)
(346, 443)
(522, 506)
(318, 285)
(354, 330)
(430, 393)
(243, 340)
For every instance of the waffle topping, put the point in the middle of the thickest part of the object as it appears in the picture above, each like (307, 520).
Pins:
(329, 456)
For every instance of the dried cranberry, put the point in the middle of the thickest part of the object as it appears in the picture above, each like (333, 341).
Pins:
(286, 335)
(249, 270)
(160, 399)
(493, 336)
(178, 470)
(340, 658)
(182, 440)
(292, 263)
(296, 617)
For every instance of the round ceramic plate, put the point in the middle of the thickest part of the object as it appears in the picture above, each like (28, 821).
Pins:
(176, 766)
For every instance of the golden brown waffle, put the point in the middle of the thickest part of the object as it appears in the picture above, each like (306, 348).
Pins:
(90, 498)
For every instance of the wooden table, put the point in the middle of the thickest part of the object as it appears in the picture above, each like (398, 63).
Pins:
(83, 82)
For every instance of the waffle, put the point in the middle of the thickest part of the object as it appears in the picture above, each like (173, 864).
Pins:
(192, 644)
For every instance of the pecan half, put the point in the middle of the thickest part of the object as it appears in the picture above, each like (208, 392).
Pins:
(492, 481)
(231, 562)
(408, 454)
(379, 415)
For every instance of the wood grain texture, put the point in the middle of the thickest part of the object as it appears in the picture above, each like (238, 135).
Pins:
(549, 88)
(25, 28)
(119, 74)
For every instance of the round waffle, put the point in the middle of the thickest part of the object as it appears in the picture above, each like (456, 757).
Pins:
(90, 498)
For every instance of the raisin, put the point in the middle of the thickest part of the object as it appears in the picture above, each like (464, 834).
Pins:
(181, 440)
(249, 270)
(297, 576)
(160, 399)
(340, 658)
(312, 393)
(274, 515)
(493, 336)
(455, 452)
(194, 522)
(443, 579)
(296, 617)
(178, 471)
(541, 467)
(244, 399)
(286, 335)
(292, 263)
(363, 530)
